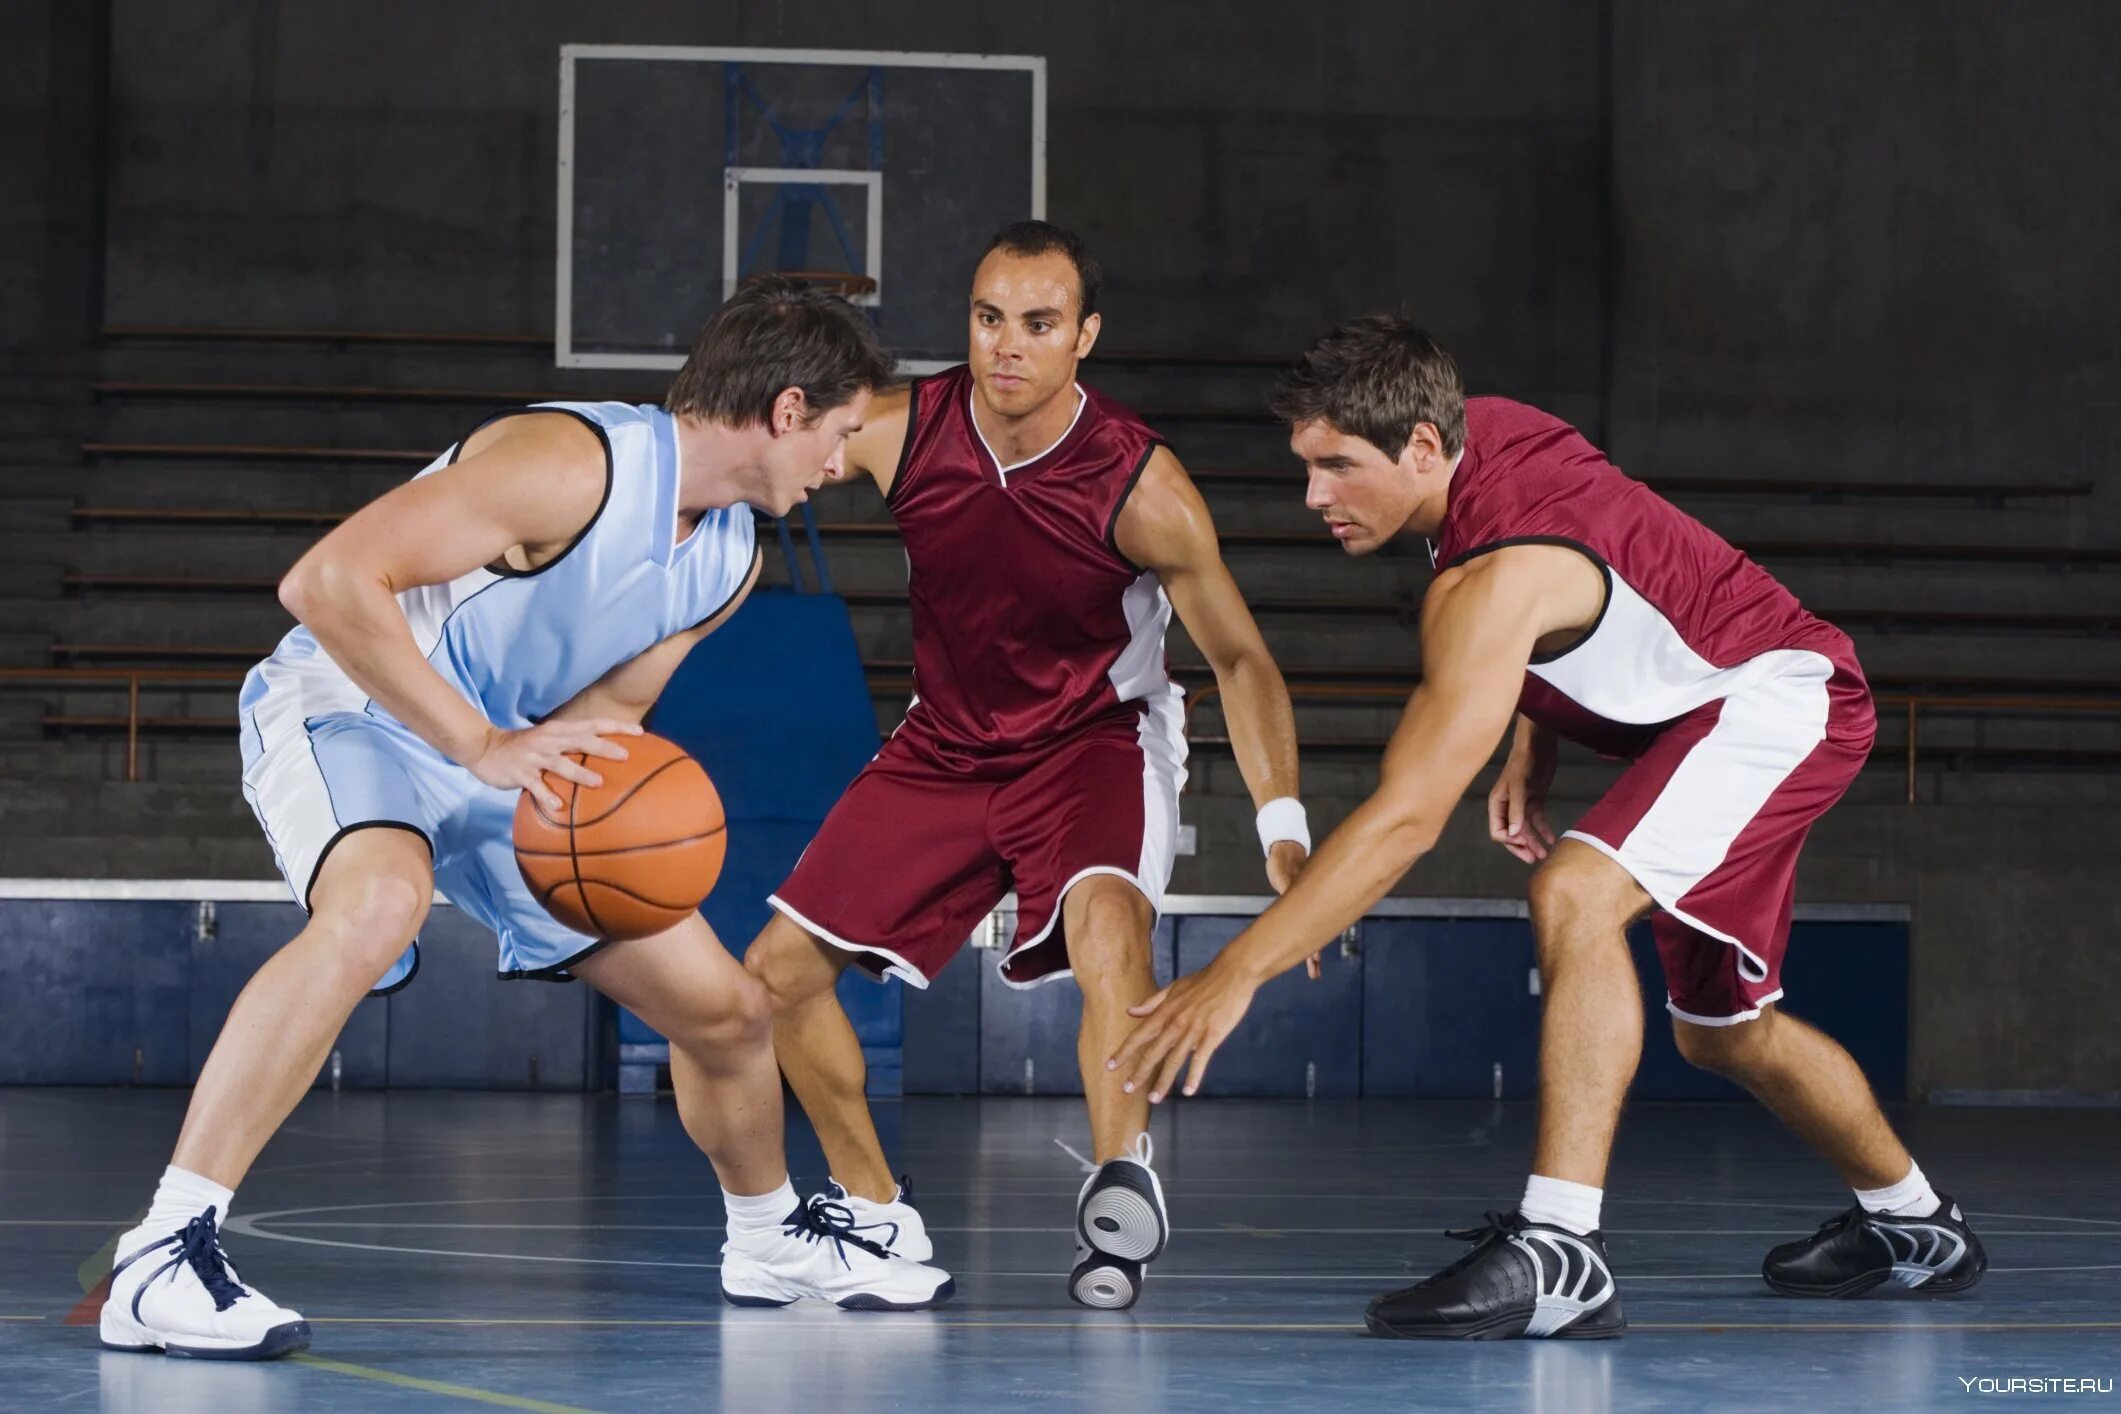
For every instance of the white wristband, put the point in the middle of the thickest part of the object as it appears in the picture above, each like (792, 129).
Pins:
(1281, 819)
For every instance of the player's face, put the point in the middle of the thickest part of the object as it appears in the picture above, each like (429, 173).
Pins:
(805, 455)
(1366, 497)
(1026, 333)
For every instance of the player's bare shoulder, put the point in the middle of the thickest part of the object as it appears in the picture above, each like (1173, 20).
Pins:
(1554, 586)
(550, 470)
(1164, 520)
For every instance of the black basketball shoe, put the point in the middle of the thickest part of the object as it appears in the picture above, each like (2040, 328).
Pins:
(1521, 1280)
(1858, 1250)
(1120, 1227)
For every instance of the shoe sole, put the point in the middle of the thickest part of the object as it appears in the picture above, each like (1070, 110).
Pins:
(290, 1339)
(1497, 1328)
(856, 1301)
(1104, 1288)
(1871, 1281)
(1119, 1222)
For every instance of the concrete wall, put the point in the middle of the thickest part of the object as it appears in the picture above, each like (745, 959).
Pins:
(1876, 238)
(391, 165)
(52, 102)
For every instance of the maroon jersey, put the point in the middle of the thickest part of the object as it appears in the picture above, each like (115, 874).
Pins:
(1688, 620)
(1029, 625)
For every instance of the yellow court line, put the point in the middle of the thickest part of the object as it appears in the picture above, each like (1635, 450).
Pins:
(1132, 1324)
(472, 1392)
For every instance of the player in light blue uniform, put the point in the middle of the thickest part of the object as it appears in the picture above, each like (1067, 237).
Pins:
(525, 597)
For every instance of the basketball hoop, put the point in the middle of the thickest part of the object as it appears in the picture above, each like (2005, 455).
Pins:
(846, 283)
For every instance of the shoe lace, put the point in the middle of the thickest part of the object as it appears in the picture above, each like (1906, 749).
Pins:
(1142, 1151)
(1497, 1228)
(1841, 1222)
(822, 1220)
(199, 1247)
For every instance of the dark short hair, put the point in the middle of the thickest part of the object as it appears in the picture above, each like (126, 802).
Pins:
(776, 333)
(1376, 377)
(1045, 238)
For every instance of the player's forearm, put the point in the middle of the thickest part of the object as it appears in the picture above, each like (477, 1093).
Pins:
(1262, 726)
(360, 626)
(1356, 866)
(600, 702)
(1532, 738)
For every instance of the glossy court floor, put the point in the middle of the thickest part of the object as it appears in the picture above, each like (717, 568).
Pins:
(554, 1253)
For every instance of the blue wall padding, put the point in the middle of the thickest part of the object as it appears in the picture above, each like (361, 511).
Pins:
(775, 706)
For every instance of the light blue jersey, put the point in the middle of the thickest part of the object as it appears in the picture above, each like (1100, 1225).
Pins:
(321, 759)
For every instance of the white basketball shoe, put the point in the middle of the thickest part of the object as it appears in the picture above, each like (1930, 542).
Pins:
(817, 1254)
(896, 1224)
(177, 1294)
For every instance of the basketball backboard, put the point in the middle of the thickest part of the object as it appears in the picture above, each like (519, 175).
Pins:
(684, 170)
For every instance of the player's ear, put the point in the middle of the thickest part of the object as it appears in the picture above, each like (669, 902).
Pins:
(791, 410)
(1086, 337)
(1423, 442)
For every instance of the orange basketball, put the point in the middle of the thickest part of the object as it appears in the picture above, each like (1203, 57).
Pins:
(631, 857)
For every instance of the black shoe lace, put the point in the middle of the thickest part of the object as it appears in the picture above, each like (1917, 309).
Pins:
(1841, 1222)
(199, 1247)
(822, 1220)
(1498, 1227)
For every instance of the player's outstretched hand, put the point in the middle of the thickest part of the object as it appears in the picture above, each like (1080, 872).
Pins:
(1191, 1017)
(1517, 807)
(521, 760)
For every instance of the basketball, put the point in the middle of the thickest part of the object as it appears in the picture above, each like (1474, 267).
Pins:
(631, 857)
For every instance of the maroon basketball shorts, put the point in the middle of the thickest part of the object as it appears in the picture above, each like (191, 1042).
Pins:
(1710, 819)
(914, 856)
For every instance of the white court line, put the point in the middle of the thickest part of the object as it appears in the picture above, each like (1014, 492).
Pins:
(249, 1226)
(1245, 1230)
(1248, 1230)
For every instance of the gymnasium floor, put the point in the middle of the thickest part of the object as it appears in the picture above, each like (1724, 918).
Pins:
(558, 1253)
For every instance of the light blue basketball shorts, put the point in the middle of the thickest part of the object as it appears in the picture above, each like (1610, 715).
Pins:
(314, 780)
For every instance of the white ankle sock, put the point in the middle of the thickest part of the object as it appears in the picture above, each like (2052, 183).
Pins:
(1563, 1204)
(1911, 1197)
(181, 1196)
(757, 1214)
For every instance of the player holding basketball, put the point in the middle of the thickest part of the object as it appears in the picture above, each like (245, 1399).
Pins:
(1594, 610)
(525, 597)
(1050, 536)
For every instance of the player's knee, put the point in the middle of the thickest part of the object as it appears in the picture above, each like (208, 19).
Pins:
(1576, 889)
(1109, 936)
(740, 1017)
(1722, 1050)
(785, 963)
(371, 920)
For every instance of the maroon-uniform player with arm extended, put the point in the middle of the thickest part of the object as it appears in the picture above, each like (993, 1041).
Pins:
(1587, 607)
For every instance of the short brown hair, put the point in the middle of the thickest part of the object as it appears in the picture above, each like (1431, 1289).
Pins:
(1376, 378)
(1045, 238)
(776, 333)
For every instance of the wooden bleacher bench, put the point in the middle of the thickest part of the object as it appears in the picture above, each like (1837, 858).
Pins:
(193, 515)
(246, 452)
(90, 722)
(172, 583)
(151, 652)
(1915, 619)
(1811, 488)
(170, 333)
(499, 397)
(2059, 556)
